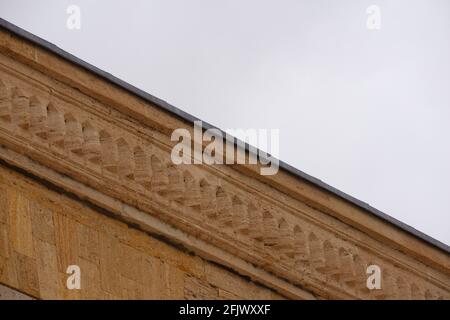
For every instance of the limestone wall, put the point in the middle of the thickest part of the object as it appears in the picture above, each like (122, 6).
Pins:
(42, 232)
(87, 179)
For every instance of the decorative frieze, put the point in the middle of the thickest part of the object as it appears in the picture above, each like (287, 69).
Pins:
(86, 143)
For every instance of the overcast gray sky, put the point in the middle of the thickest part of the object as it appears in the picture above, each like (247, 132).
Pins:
(367, 111)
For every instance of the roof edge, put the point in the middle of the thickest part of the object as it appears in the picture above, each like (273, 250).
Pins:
(4, 24)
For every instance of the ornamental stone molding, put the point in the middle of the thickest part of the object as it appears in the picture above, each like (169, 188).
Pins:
(70, 127)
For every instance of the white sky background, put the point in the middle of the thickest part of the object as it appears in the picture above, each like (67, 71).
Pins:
(365, 111)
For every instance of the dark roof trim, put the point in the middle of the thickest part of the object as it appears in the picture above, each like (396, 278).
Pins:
(189, 118)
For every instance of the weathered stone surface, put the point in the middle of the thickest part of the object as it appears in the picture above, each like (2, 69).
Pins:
(141, 227)
(134, 267)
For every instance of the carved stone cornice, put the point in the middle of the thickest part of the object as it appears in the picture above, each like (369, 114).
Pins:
(90, 138)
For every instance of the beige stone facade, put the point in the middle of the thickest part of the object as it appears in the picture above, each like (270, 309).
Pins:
(43, 231)
(86, 179)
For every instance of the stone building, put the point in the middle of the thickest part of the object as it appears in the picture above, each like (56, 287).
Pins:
(86, 180)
